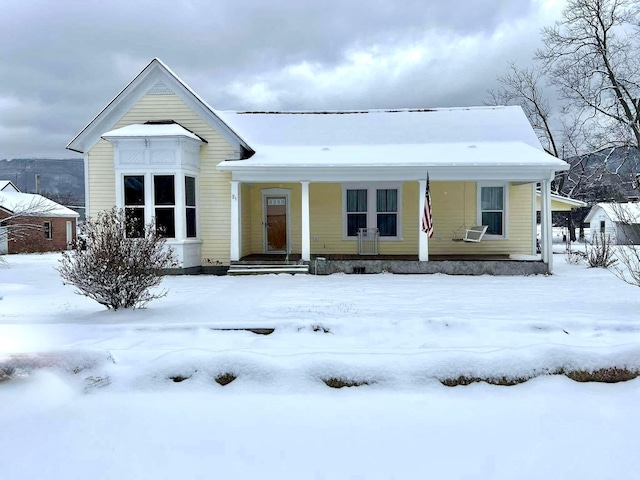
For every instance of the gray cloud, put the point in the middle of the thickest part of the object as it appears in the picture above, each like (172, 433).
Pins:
(63, 61)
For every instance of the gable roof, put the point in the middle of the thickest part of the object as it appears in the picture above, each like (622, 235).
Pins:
(8, 186)
(156, 76)
(617, 212)
(14, 202)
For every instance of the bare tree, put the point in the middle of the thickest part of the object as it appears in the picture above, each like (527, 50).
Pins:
(591, 57)
(628, 234)
(117, 266)
(524, 87)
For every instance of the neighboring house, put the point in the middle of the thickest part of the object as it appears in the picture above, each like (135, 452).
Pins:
(231, 186)
(560, 203)
(32, 223)
(618, 222)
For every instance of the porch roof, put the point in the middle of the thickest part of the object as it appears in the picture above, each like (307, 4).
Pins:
(513, 161)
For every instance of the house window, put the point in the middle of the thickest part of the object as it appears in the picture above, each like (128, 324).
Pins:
(164, 199)
(134, 205)
(356, 211)
(387, 212)
(602, 226)
(491, 211)
(190, 205)
(48, 233)
(375, 206)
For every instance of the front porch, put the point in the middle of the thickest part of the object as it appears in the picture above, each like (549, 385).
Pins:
(313, 222)
(483, 264)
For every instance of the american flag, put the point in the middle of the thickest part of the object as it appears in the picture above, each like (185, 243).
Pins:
(427, 220)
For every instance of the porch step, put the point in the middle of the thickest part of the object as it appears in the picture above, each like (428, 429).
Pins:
(264, 268)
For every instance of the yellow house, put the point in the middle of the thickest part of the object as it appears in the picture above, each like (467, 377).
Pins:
(341, 189)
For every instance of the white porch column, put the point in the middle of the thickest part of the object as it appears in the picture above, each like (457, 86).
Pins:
(235, 220)
(547, 232)
(423, 240)
(306, 235)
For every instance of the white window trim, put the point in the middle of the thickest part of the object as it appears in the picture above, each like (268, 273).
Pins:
(505, 208)
(47, 232)
(371, 188)
(149, 200)
(177, 233)
(196, 207)
(148, 206)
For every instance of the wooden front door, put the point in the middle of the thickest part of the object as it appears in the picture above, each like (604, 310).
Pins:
(276, 224)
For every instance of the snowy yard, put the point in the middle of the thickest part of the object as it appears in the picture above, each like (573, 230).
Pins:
(120, 415)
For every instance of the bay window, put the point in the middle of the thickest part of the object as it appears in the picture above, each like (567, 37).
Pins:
(190, 205)
(164, 194)
(134, 200)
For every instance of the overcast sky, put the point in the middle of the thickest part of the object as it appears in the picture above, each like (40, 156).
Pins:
(62, 61)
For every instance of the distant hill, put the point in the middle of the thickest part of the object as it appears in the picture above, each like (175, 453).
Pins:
(608, 175)
(61, 180)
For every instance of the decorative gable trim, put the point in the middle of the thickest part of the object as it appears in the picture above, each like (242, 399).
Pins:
(158, 78)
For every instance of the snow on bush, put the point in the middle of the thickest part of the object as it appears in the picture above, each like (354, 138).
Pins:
(116, 267)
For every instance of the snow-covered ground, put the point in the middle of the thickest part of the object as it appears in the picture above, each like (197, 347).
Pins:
(107, 408)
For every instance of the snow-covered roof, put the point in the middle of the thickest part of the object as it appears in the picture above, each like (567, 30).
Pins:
(562, 200)
(617, 212)
(151, 130)
(8, 186)
(457, 142)
(33, 204)
(457, 154)
(383, 127)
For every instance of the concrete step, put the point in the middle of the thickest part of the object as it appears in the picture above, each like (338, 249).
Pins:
(261, 269)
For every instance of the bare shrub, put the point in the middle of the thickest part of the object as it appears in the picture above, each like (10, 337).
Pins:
(574, 257)
(113, 268)
(599, 253)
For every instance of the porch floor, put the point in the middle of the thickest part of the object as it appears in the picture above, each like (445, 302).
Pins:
(271, 257)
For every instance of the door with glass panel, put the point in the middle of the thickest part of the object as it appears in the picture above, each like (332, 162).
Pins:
(276, 224)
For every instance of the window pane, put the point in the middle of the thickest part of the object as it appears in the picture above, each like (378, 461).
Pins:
(190, 191)
(388, 224)
(491, 198)
(135, 222)
(164, 190)
(165, 222)
(354, 222)
(47, 230)
(191, 222)
(494, 221)
(134, 190)
(357, 200)
(387, 200)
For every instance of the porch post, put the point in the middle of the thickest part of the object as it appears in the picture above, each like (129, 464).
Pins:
(306, 236)
(547, 233)
(423, 240)
(235, 220)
